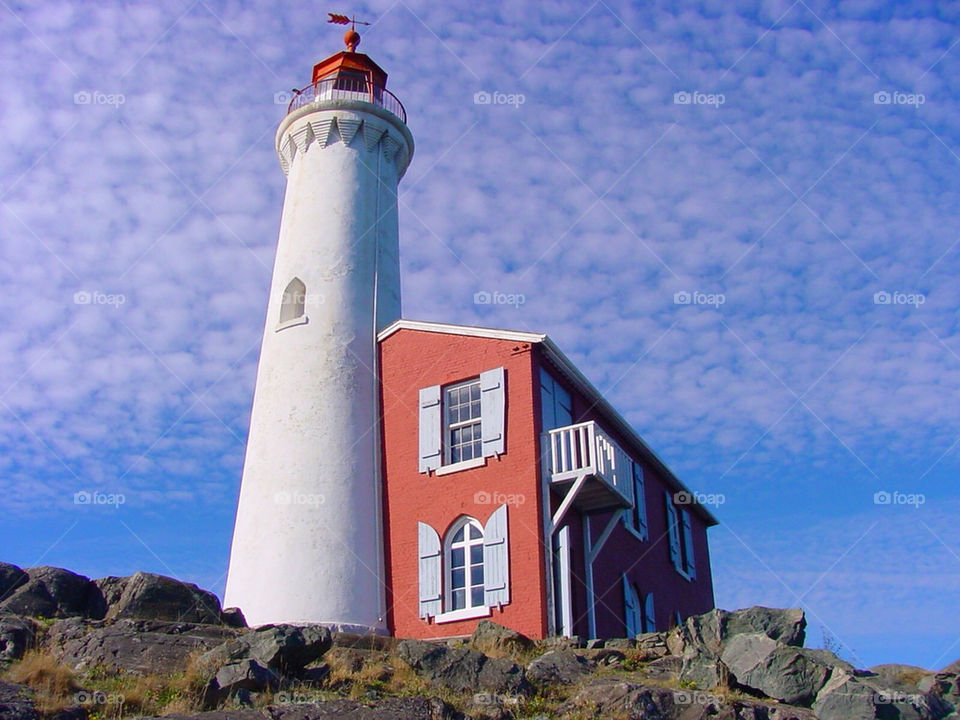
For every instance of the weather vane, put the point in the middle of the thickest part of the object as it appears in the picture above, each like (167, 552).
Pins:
(351, 37)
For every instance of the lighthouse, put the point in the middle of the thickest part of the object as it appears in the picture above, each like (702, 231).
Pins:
(308, 538)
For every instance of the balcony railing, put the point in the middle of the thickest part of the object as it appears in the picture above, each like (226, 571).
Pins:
(348, 88)
(585, 449)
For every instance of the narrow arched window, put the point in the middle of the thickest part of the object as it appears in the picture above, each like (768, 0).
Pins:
(465, 586)
(292, 304)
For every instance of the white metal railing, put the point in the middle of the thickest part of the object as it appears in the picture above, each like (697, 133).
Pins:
(584, 449)
(342, 87)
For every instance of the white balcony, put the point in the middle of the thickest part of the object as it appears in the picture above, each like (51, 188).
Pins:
(585, 451)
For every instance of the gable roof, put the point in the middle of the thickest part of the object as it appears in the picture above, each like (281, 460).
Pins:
(573, 375)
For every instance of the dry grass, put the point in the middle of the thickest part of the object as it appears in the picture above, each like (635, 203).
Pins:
(53, 682)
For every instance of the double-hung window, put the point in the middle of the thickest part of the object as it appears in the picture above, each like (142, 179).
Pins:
(462, 424)
(463, 432)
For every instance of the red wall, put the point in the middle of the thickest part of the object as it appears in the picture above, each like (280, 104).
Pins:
(410, 360)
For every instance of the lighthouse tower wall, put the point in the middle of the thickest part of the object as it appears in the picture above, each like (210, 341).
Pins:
(307, 545)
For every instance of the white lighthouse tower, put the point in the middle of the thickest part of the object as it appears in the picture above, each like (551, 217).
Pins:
(307, 544)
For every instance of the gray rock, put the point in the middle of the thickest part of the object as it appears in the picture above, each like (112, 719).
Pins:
(563, 667)
(242, 675)
(146, 596)
(497, 640)
(779, 671)
(11, 577)
(16, 702)
(849, 697)
(233, 617)
(136, 646)
(461, 669)
(402, 708)
(52, 593)
(620, 643)
(609, 657)
(595, 643)
(704, 671)
(363, 641)
(953, 667)
(17, 635)
(284, 648)
(787, 626)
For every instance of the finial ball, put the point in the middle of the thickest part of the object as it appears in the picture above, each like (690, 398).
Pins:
(351, 38)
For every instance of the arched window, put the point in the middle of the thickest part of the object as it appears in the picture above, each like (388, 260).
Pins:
(464, 565)
(292, 304)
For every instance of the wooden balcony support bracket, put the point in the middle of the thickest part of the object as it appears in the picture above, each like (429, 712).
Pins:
(567, 502)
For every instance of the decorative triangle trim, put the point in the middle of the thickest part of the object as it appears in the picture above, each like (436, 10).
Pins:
(372, 134)
(348, 128)
(390, 147)
(303, 136)
(321, 130)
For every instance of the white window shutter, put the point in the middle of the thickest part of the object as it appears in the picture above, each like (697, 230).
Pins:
(674, 532)
(688, 545)
(649, 619)
(492, 406)
(430, 422)
(431, 588)
(496, 559)
(631, 609)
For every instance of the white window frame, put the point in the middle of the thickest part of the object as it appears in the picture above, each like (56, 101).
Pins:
(448, 427)
(467, 544)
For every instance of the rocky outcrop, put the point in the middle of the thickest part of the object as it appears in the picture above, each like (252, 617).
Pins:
(52, 593)
(16, 702)
(284, 648)
(497, 641)
(462, 670)
(11, 577)
(135, 646)
(17, 635)
(400, 708)
(155, 597)
(563, 667)
(779, 671)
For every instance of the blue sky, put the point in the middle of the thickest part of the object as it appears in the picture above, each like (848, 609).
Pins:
(812, 170)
